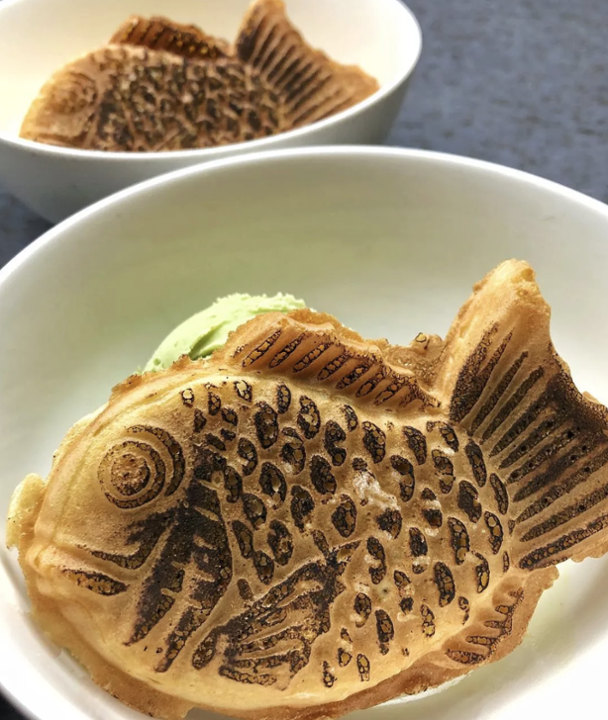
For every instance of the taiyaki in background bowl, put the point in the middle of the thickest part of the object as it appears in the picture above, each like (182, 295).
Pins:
(37, 37)
(390, 242)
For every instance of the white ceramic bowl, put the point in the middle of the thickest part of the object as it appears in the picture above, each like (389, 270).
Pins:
(38, 37)
(390, 241)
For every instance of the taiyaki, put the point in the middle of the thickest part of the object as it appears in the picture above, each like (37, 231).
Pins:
(162, 86)
(310, 523)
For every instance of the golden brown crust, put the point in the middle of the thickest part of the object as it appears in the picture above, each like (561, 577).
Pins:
(311, 523)
(312, 85)
(162, 86)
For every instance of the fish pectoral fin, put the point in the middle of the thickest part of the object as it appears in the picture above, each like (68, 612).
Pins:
(310, 85)
(315, 347)
(545, 445)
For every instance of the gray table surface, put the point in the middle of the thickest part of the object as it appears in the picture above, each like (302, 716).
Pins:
(523, 83)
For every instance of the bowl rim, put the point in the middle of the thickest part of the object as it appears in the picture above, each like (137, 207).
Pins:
(432, 157)
(205, 154)
(354, 152)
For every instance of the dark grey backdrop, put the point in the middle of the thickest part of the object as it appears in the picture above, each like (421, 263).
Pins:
(519, 82)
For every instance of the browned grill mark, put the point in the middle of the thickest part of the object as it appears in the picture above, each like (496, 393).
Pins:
(384, 629)
(283, 354)
(565, 485)
(334, 435)
(406, 604)
(376, 550)
(280, 542)
(302, 506)
(446, 431)
(244, 538)
(187, 397)
(321, 476)
(364, 667)
(363, 608)
(508, 408)
(283, 398)
(500, 494)
(262, 349)
(215, 442)
(497, 394)
(418, 543)
(476, 461)
(293, 452)
(370, 385)
(272, 482)
(472, 380)
(406, 470)
(401, 580)
(468, 500)
(310, 357)
(390, 521)
(214, 403)
(95, 582)
(445, 584)
(199, 420)
(247, 451)
(266, 425)
(416, 443)
(255, 510)
(333, 366)
(546, 429)
(245, 591)
(243, 390)
(459, 539)
(353, 376)
(428, 620)
(580, 451)
(374, 441)
(433, 516)
(264, 567)
(390, 390)
(233, 484)
(328, 677)
(568, 513)
(229, 416)
(495, 532)
(344, 657)
(465, 606)
(352, 422)
(344, 517)
(309, 419)
(464, 657)
(444, 470)
(482, 572)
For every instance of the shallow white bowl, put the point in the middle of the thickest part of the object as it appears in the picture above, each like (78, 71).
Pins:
(38, 37)
(390, 241)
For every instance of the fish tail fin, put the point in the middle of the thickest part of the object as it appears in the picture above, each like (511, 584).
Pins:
(310, 85)
(509, 389)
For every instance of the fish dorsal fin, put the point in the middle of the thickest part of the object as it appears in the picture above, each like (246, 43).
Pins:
(311, 86)
(315, 348)
(160, 33)
(502, 381)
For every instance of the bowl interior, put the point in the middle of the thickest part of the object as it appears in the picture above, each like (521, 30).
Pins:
(388, 241)
(379, 35)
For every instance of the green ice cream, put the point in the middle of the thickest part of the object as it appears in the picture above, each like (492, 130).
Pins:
(208, 330)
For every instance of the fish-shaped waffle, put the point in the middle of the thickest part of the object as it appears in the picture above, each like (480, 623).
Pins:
(310, 523)
(162, 86)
